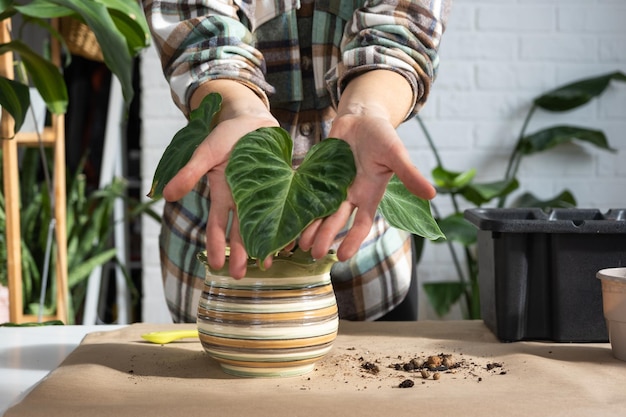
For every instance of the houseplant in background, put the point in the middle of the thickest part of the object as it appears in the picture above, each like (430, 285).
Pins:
(279, 321)
(89, 228)
(461, 185)
(120, 33)
(119, 27)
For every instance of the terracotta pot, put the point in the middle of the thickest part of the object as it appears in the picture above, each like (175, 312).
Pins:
(614, 307)
(271, 323)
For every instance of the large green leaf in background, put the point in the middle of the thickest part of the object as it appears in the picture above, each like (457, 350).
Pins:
(15, 99)
(405, 211)
(185, 142)
(274, 201)
(556, 135)
(576, 94)
(112, 42)
(119, 27)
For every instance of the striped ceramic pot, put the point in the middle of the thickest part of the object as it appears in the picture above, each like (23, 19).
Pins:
(271, 323)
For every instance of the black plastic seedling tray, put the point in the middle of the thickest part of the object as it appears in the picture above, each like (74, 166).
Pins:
(536, 271)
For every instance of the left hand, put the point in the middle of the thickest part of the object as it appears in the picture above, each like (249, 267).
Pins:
(378, 153)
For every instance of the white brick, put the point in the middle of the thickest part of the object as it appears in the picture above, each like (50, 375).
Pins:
(500, 136)
(515, 75)
(516, 18)
(612, 103)
(477, 105)
(472, 47)
(575, 48)
(613, 49)
(455, 76)
(597, 19)
(462, 17)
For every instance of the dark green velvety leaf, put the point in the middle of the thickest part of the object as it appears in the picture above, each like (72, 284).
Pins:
(184, 143)
(577, 93)
(14, 98)
(443, 295)
(553, 136)
(451, 180)
(274, 201)
(564, 200)
(45, 75)
(480, 194)
(457, 229)
(405, 211)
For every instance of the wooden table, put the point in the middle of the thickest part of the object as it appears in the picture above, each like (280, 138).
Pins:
(117, 374)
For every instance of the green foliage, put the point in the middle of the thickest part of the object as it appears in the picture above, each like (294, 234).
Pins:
(457, 185)
(185, 142)
(90, 226)
(119, 27)
(275, 202)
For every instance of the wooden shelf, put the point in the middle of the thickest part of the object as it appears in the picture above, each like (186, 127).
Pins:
(48, 137)
(53, 137)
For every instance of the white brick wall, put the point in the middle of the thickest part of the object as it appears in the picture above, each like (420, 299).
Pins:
(495, 57)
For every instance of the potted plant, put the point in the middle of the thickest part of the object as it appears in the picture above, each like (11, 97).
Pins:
(279, 321)
(120, 32)
(119, 27)
(460, 185)
(329, 170)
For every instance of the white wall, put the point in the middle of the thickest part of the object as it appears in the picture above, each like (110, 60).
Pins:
(495, 57)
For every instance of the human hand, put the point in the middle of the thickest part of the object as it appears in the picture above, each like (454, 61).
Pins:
(242, 112)
(378, 153)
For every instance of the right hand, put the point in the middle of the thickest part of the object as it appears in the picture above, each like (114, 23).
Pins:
(242, 112)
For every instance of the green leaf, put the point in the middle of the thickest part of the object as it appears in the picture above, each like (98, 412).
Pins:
(451, 180)
(564, 200)
(457, 229)
(5, 4)
(577, 93)
(405, 211)
(274, 201)
(112, 42)
(42, 9)
(130, 21)
(553, 136)
(480, 194)
(83, 270)
(15, 99)
(185, 142)
(443, 295)
(44, 74)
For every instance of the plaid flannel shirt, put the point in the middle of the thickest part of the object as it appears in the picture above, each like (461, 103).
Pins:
(297, 56)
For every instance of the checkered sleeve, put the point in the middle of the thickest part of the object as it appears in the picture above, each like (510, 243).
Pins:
(204, 40)
(398, 35)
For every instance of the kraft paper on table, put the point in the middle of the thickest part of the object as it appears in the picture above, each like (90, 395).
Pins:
(118, 374)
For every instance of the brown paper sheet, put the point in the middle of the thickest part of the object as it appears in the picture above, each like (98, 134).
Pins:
(118, 374)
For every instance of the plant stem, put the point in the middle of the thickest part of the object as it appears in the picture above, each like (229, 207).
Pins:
(433, 148)
(513, 164)
(516, 155)
(455, 258)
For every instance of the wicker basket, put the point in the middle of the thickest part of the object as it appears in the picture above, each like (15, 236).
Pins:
(80, 39)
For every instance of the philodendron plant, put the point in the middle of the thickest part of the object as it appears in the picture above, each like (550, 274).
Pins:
(276, 202)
